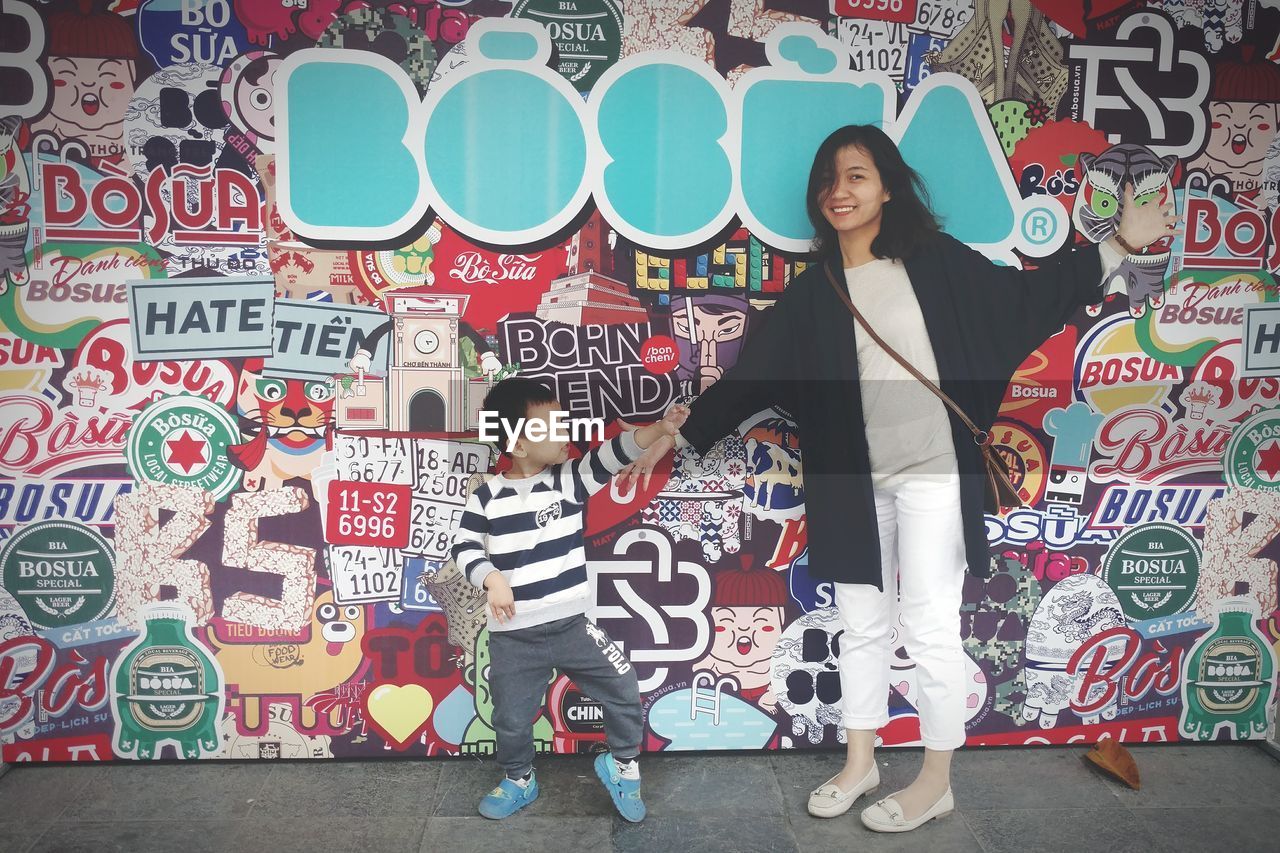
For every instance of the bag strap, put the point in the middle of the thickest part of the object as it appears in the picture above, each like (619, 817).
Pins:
(980, 437)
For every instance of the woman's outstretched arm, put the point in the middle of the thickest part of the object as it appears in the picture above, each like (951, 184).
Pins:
(762, 376)
(1029, 306)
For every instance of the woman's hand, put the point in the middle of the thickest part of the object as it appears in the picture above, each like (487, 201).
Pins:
(1143, 224)
(665, 428)
(675, 418)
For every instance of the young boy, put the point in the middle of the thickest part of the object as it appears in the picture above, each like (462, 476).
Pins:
(520, 539)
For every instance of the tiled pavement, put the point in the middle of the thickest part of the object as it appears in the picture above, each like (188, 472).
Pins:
(1214, 797)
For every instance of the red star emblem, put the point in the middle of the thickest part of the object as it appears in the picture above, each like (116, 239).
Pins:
(187, 451)
(1269, 459)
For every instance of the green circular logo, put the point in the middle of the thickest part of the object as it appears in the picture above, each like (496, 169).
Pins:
(1252, 458)
(587, 35)
(61, 573)
(183, 439)
(1153, 569)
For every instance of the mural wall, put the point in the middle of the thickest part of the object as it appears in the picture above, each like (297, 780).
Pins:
(260, 261)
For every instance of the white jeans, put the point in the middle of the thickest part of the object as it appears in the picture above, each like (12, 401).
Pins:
(922, 554)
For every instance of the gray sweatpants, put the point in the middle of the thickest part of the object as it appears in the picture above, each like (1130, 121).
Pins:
(520, 664)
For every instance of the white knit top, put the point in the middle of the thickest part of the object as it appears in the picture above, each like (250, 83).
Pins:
(908, 433)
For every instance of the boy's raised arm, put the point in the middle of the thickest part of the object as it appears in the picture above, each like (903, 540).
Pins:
(593, 471)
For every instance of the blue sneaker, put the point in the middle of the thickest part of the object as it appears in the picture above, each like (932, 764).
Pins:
(625, 792)
(508, 798)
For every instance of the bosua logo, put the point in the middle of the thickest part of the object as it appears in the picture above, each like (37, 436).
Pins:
(1252, 458)
(184, 439)
(1153, 569)
(1113, 372)
(61, 572)
(1024, 455)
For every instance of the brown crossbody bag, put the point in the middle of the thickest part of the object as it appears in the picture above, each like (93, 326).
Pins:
(1000, 494)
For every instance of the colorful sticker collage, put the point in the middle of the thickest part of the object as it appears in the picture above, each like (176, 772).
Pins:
(234, 449)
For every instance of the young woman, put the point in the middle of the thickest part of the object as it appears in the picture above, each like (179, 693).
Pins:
(894, 481)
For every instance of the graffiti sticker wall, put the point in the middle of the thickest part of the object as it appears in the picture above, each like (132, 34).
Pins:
(260, 263)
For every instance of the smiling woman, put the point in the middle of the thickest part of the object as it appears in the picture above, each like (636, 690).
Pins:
(856, 172)
(894, 479)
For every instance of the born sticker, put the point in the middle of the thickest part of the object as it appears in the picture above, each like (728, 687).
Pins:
(183, 439)
(61, 573)
(1154, 569)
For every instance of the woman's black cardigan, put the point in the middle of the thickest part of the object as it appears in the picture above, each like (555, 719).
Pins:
(983, 320)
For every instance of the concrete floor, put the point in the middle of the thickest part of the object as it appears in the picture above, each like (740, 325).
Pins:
(1214, 797)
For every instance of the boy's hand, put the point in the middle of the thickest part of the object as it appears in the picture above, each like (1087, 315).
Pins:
(642, 468)
(502, 601)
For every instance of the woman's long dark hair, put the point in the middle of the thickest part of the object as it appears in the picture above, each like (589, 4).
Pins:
(906, 221)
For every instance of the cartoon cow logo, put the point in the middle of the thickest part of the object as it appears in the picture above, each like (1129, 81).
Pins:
(774, 487)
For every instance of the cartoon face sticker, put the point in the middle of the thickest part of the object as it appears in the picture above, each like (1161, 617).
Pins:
(708, 331)
(338, 623)
(1097, 213)
(1072, 430)
(1239, 133)
(246, 88)
(1097, 208)
(295, 413)
(90, 97)
(743, 641)
(1066, 485)
(92, 65)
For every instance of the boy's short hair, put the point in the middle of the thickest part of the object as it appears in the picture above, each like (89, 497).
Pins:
(511, 399)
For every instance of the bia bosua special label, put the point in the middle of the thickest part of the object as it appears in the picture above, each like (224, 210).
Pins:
(167, 689)
(1230, 676)
(60, 572)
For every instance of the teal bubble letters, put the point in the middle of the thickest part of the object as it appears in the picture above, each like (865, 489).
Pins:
(507, 153)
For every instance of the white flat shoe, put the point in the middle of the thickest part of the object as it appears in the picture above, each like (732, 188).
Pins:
(829, 801)
(886, 815)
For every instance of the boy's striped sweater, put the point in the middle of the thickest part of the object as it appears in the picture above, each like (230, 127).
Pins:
(531, 531)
